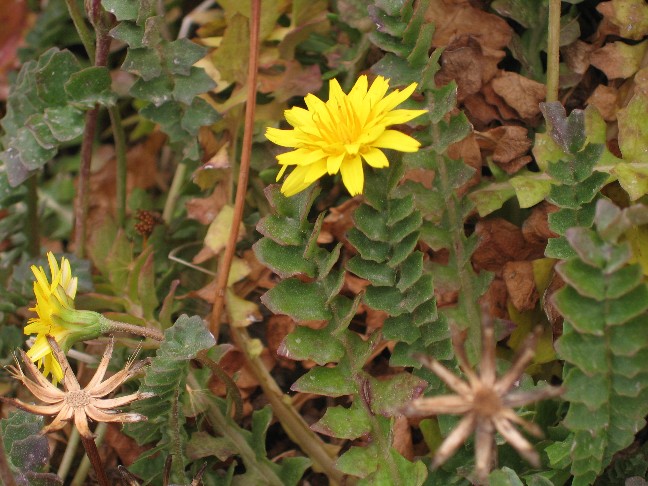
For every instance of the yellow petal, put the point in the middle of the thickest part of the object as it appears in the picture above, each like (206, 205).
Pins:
(301, 157)
(392, 139)
(352, 175)
(395, 117)
(315, 171)
(285, 138)
(375, 158)
(377, 91)
(333, 163)
(298, 116)
(294, 183)
(394, 99)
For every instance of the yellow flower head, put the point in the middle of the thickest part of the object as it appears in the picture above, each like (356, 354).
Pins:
(56, 316)
(336, 135)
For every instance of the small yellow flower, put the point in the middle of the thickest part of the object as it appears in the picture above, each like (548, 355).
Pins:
(336, 135)
(57, 317)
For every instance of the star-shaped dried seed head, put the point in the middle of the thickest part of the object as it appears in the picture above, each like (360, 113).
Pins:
(485, 402)
(74, 403)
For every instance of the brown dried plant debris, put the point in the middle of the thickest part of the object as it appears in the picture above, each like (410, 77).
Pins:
(485, 402)
(74, 403)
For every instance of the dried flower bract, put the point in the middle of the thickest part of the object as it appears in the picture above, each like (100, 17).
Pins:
(485, 402)
(74, 403)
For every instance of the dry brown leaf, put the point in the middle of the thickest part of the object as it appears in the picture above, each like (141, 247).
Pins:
(468, 151)
(520, 284)
(480, 112)
(520, 93)
(205, 209)
(618, 59)
(125, 447)
(454, 18)
(604, 99)
(577, 56)
(508, 145)
(535, 228)
(277, 328)
(141, 170)
(468, 63)
(502, 107)
(285, 79)
(499, 242)
(14, 20)
(495, 299)
(403, 438)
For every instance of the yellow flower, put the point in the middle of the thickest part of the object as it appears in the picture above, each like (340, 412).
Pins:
(57, 317)
(336, 135)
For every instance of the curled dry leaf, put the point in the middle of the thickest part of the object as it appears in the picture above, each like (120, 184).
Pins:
(454, 18)
(520, 284)
(604, 99)
(499, 242)
(577, 56)
(469, 64)
(520, 93)
(508, 145)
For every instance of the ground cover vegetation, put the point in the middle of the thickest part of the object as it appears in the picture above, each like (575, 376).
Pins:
(313, 242)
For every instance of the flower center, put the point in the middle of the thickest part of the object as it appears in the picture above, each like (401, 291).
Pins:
(486, 402)
(77, 398)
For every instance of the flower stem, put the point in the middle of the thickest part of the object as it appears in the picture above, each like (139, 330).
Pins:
(108, 325)
(87, 39)
(244, 169)
(228, 429)
(92, 454)
(81, 203)
(33, 233)
(120, 149)
(553, 50)
(291, 421)
(68, 455)
(6, 477)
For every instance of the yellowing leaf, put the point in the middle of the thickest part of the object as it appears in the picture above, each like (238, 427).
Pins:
(219, 229)
(241, 312)
(638, 239)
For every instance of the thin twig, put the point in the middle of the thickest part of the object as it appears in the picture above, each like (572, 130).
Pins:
(244, 169)
(553, 50)
(291, 421)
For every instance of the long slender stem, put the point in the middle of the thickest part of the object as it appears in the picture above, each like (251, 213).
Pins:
(174, 192)
(68, 455)
(87, 39)
(244, 169)
(93, 455)
(225, 426)
(553, 50)
(6, 477)
(32, 227)
(81, 203)
(291, 421)
(120, 150)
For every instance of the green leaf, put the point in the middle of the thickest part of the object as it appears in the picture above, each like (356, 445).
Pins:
(143, 62)
(286, 261)
(188, 87)
(182, 54)
(376, 273)
(455, 130)
(389, 396)
(314, 344)
(567, 131)
(344, 423)
(65, 122)
(299, 300)
(330, 382)
(89, 86)
(122, 9)
(358, 461)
